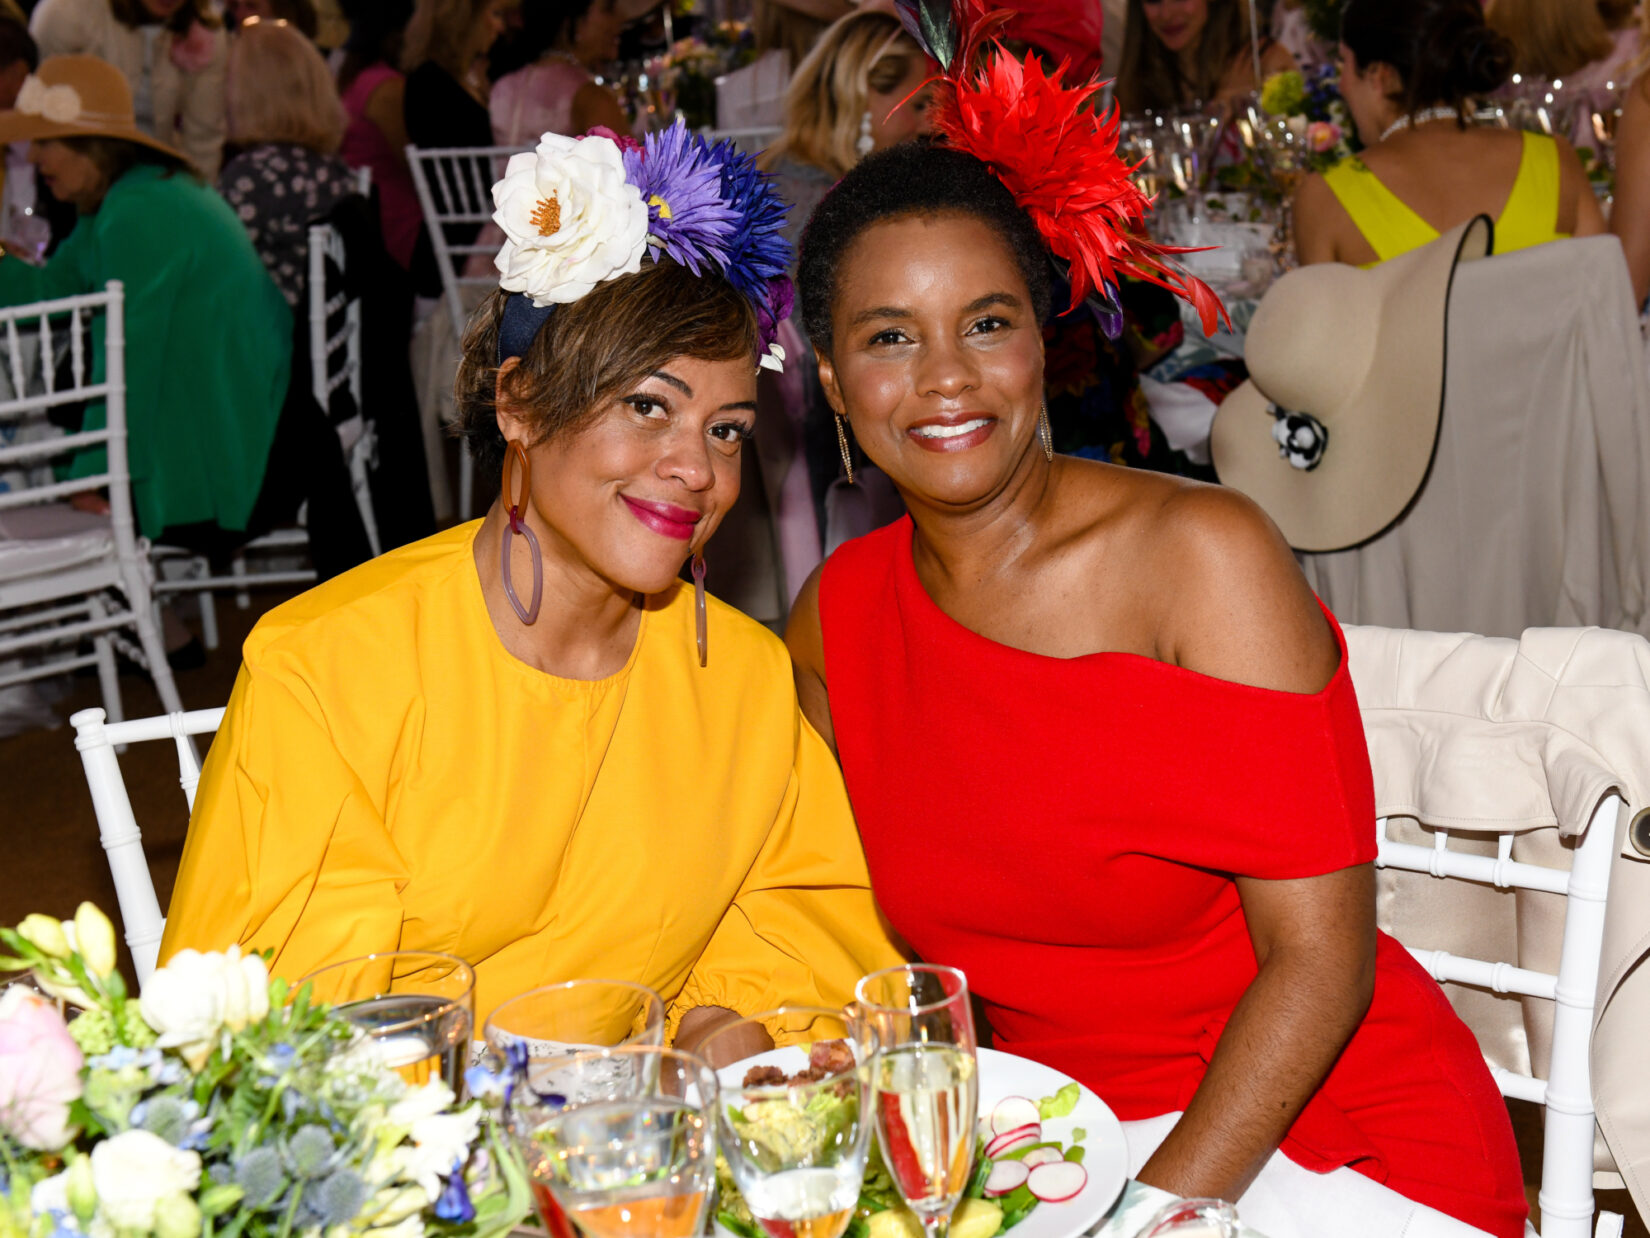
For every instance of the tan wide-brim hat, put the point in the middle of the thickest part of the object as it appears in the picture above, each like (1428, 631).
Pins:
(1363, 353)
(76, 97)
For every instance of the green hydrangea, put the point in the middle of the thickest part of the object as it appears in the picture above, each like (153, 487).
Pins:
(1283, 94)
(94, 1031)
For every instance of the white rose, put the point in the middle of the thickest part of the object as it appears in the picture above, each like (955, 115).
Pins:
(50, 1195)
(134, 1171)
(56, 103)
(195, 996)
(571, 219)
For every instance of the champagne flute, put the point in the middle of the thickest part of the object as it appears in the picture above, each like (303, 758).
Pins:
(928, 1087)
(797, 1149)
(620, 1140)
(417, 1005)
(559, 1020)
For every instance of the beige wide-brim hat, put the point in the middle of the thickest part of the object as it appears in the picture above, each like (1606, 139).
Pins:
(76, 97)
(1362, 352)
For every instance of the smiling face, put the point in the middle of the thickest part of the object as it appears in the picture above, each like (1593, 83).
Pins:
(1178, 24)
(937, 357)
(630, 495)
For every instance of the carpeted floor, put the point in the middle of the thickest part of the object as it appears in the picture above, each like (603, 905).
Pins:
(54, 860)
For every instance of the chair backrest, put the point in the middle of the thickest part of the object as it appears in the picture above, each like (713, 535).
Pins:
(96, 740)
(455, 192)
(334, 320)
(47, 328)
(1566, 1195)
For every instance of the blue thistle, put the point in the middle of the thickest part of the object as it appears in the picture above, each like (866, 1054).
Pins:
(339, 1199)
(309, 1153)
(169, 1117)
(681, 185)
(258, 1173)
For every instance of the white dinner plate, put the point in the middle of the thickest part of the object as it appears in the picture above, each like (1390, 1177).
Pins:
(1106, 1155)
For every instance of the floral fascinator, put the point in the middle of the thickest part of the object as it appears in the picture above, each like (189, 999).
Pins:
(1054, 151)
(579, 211)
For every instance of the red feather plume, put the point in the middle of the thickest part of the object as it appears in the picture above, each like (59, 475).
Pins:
(1058, 157)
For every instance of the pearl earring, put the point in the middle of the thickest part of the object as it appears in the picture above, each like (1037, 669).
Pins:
(866, 142)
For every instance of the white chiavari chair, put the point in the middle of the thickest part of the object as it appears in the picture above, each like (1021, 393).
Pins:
(68, 576)
(455, 192)
(97, 741)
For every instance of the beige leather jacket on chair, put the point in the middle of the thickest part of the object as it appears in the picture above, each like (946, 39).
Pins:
(188, 107)
(1525, 735)
(1535, 512)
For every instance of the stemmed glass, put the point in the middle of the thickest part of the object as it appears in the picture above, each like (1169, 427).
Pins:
(1285, 157)
(928, 1086)
(797, 1149)
(622, 1141)
(1194, 1218)
(417, 1005)
(558, 1020)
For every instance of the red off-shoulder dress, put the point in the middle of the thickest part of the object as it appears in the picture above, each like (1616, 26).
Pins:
(1067, 832)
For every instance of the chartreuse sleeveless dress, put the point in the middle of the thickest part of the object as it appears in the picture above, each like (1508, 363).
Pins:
(1068, 830)
(1530, 216)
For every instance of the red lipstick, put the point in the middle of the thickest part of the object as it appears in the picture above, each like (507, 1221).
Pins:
(664, 518)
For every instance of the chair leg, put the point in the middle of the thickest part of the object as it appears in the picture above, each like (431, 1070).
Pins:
(209, 606)
(108, 675)
(237, 569)
(160, 670)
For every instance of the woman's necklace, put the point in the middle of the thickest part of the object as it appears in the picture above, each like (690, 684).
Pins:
(1424, 116)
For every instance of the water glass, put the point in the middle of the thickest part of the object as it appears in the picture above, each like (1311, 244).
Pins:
(797, 1150)
(927, 1084)
(1194, 1218)
(576, 1016)
(620, 1141)
(419, 1006)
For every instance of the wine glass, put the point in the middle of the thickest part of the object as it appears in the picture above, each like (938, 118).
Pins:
(621, 1141)
(927, 1081)
(417, 1005)
(1286, 161)
(1194, 1218)
(558, 1020)
(797, 1148)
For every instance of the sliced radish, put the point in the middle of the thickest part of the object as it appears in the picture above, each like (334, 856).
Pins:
(1022, 1137)
(1057, 1181)
(1012, 1113)
(1041, 1156)
(1005, 1177)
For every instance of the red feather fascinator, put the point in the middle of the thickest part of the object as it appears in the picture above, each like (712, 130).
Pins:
(1055, 153)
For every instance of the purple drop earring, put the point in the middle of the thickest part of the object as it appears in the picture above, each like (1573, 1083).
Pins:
(515, 454)
(699, 603)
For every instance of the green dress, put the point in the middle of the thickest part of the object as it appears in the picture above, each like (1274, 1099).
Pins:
(208, 344)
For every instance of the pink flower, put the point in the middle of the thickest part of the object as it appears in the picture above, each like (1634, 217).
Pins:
(1322, 136)
(196, 50)
(623, 141)
(39, 1071)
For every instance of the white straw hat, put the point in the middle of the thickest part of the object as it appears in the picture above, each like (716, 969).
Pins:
(1334, 432)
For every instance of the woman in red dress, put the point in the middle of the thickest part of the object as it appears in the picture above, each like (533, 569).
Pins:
(1101, 740)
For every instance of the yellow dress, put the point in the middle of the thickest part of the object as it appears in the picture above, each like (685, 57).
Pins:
(1530, 216)
(389, 777)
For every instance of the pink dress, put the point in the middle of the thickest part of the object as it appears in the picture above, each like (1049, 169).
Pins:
(365, 146)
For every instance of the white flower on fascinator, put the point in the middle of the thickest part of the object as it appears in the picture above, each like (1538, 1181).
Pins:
(59, 104)
(570, 218)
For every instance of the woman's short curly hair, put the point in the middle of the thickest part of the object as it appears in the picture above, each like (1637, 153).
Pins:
(913, 178)
(589, 352)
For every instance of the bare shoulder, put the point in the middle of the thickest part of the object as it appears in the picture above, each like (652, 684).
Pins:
(1319, 218)
(1235, 605)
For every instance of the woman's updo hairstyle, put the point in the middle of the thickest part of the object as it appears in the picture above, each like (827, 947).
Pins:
(1443, 51)
(589, 352)
(913, 178)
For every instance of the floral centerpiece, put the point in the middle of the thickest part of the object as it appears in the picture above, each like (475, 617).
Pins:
(1314, 111)
(220, 1103)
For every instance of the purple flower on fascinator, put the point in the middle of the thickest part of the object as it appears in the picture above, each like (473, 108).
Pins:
(682, 186)
(623, 141)
(758, 251)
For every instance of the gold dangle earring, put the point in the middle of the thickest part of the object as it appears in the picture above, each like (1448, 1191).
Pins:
(699, 622)
(1045, 432)
(842, 442)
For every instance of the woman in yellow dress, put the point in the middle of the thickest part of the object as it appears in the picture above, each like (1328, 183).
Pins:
(525, 741)
(1409, 70)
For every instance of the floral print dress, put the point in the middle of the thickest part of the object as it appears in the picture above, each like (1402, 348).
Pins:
(278, 190)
